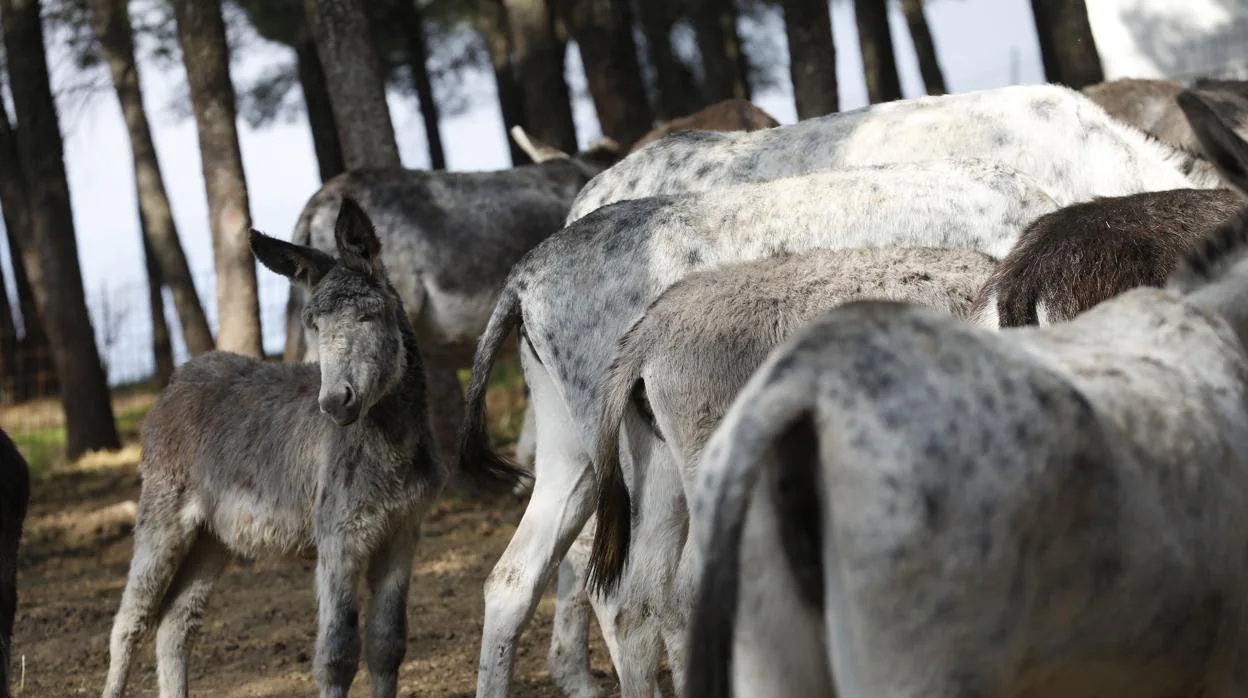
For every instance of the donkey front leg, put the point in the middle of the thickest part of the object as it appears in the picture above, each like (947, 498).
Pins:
(337, 608)
(389, 575)
(558, 509)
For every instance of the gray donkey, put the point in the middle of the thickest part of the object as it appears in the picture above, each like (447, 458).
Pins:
(14, 497)
(899, 504)
(450, 239)
(678, 369)
(247, 457)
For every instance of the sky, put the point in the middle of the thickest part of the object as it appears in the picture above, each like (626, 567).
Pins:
(981, 44)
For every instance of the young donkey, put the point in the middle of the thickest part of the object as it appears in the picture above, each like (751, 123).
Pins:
(935, 510)
(257, 458)
(14, 496)
(682, 363)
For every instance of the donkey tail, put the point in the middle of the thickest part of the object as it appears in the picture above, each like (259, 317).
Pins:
(761, 418)
(476, 459)
(613, 534)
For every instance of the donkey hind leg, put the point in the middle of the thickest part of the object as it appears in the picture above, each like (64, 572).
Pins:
(569, 640)
(389, 576)
(182, 611)
(633, 617)
(161, 541)
(337, 609)
(560, 505)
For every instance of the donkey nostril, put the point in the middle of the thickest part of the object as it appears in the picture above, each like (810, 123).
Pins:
(348, 396)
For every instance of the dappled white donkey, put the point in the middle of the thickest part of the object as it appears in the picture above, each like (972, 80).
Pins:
(940, 511)
(575, 294)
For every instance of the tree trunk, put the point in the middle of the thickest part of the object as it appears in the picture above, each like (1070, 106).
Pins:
(162, 347)
(320, 110)
(1067, 47)
(723, 57)
(9, 370)
(356, 87)
(54, 269)
(112, 28)
(201, 33)
(539, 72)
(36, 375)
(876, 41)
(492, 23)
(418, 56)
(678, 91)
(924, 47)
(603, 30)
(812, 56)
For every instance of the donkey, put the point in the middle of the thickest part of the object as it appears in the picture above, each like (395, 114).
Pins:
(1149, 106)
(728, 115)
(247, 457)
(14, 498)
(1061, 139)
(450, 238)
(578, 291)
(949, 511)
(1071, 259)
(679, 367)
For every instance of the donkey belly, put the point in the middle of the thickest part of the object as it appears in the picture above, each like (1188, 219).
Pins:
(253, 527)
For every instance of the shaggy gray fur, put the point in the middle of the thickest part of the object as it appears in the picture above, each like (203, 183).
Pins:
(679, 367)
(14, 497)
(1071, 259)
(255, 458)
(1053, 511)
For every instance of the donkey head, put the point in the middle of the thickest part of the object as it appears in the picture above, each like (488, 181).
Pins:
(353, 312)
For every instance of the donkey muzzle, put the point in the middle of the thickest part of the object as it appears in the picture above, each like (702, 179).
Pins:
(341, 403)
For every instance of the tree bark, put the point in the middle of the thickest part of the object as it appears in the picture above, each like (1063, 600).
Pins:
(924, 47)
(111, 23)
(493, 25)
(162, 346)
(1067, 47)
(539, 72)
(812, 56)
(54, 270)
(603, 30)
(356, 87)
(10, 372)
(723, 57)
(201, 34)
(36, 374)
(876, 41)
(678, 91)
(320, 110)
(418, 57)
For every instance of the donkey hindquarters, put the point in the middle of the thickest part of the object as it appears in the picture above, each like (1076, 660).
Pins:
(241, 456)
(14, 497)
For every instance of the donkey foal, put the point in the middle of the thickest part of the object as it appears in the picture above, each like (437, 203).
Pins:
(257, 458)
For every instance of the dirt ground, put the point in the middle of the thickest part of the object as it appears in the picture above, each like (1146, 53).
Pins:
(259, 633)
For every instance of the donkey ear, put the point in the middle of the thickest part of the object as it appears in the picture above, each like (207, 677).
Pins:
(358, 246)
(1224, 148)
(303, 265)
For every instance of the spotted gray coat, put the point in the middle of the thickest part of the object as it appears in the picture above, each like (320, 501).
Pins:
(575, 294)
(1056, 136)
(939, 510)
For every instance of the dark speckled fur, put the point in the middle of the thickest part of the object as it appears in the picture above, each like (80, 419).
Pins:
(1070, 260)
